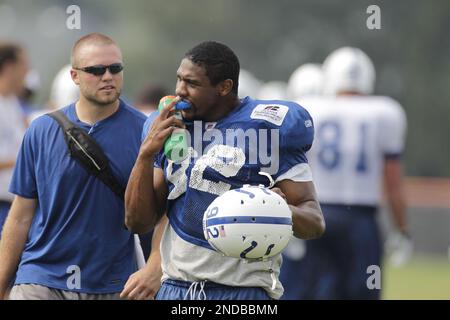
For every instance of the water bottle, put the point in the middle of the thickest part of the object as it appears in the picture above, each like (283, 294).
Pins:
(175, 146)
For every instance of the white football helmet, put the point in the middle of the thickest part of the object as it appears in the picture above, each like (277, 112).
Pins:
(251, 223)
(306, 80)
(348, 69)
(64, 91)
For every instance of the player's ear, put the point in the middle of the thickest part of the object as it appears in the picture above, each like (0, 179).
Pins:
(74, 75)
(225, 87)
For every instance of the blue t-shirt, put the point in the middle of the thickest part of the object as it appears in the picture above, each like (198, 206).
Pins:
(258, 135)
(77, 240)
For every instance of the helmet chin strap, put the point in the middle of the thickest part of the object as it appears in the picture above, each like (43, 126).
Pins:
(268, 176)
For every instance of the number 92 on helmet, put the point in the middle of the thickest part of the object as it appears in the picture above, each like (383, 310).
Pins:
(251, 222)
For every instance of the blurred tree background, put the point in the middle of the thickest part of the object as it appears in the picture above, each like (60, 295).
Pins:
(272, 38)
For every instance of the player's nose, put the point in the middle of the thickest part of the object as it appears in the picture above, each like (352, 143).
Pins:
(107, 75)
(180, 89)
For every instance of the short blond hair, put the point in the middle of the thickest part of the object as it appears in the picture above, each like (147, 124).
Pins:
(89, 39)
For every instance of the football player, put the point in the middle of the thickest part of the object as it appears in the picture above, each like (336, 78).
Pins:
(232, 140)
(359, 141)
(305, 81)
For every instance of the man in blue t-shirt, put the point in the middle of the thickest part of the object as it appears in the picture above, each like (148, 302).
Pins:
(208, 79)
(65, 233)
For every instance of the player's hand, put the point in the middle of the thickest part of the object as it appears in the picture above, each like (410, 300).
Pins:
(399, 248)
(162, 127)
(143, 284)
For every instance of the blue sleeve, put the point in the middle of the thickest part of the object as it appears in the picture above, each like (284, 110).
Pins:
(296, 138)
(23, 182)
(299, 131)
(159, 161)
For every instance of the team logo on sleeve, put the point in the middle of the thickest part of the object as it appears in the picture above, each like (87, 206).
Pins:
(274, 113)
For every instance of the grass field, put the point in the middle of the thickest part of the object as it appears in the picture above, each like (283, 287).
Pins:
(424, 277)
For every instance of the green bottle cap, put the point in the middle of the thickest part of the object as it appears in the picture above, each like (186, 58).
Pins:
(175, 146)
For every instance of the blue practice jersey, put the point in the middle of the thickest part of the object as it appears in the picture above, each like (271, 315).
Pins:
(77, 239)
(271, 136)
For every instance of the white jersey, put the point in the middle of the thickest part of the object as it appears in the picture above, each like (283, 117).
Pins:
(12, 130)
(353, 136)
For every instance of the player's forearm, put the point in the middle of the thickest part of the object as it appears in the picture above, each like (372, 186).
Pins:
(141, 214)
(157, 234)
(153, 264)
(393, 183)
(154, 260)
(397, 205)
(14, 237)
(307, 220)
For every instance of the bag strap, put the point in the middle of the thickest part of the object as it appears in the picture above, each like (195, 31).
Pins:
(99, 168)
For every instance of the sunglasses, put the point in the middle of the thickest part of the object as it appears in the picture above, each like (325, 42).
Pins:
(100, 70)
